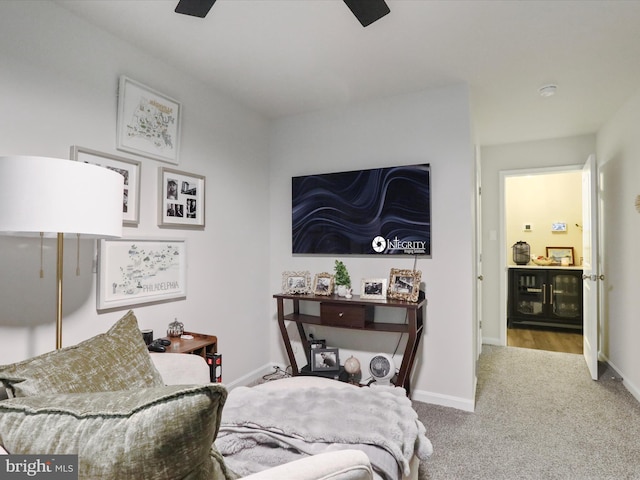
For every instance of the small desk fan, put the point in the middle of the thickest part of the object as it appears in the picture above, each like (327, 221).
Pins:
(382, 369)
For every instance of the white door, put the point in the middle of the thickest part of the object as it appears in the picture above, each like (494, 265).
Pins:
(590, 274)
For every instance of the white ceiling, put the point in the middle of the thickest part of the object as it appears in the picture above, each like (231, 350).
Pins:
(283, 57)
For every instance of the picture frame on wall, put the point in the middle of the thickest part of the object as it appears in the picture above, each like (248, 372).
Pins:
(323, 284)
(140, 271)
(294, 283)
(129, 169)
(181, 199)
(325, 360)
(374, 288)
(148, 122)
(404, 284)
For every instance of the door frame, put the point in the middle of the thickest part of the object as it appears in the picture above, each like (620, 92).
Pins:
(504, 174)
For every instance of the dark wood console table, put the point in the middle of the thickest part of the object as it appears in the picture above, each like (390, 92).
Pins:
(353, 313)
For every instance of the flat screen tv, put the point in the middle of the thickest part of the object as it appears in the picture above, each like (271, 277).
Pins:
(380, 211)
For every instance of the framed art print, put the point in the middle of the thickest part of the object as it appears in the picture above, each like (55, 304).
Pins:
(139, 271)
(296, 283)
(148, 122)
(374, 288)
(180, 199)
(325, 360)
(323, 284)
(129, 169)
(404, 284)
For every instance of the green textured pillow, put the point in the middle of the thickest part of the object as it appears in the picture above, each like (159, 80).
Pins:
(115, 360)
(155, 433)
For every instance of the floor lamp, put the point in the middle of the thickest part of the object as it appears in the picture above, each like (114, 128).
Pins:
(41, 195)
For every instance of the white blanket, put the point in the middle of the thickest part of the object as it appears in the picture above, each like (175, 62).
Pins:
(264, 428)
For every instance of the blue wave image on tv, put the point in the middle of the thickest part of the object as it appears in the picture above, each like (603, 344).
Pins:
(380, 211)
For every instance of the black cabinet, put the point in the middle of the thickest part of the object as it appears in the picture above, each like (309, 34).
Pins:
(545, 297)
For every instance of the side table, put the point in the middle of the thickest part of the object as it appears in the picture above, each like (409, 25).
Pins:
(204, 345)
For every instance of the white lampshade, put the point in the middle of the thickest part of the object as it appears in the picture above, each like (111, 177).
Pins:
(52, 195)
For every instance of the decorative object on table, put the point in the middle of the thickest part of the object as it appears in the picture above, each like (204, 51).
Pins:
(44, 195)
(352, 367)
(181, 199)
(295, 283)
(147, 336)
(325, 360)
(374, 288)
(148, 122)
(348, 293)
(323, 284)
(139, 271)
(521, 253)
(542, 261)
(176, 329)
(560, 253)
(130, 171)
(342, 278)
(382, 369)
(404, 284)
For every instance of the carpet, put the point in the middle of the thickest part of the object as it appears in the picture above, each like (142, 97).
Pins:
(538, 416)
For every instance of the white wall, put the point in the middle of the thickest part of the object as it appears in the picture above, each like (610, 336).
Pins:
(618, 157)
(58, 88)
(510, 157)
(431, 126)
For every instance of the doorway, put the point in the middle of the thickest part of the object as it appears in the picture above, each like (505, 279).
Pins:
(543, 207)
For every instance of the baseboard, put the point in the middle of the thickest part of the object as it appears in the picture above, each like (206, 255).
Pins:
(253, 376)
(633, 389)
(465, 404)
(491, 341)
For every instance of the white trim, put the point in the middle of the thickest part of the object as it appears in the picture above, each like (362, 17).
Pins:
(444, 400)
(254, 375)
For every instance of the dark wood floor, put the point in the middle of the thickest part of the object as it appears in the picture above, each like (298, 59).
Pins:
(554, 341)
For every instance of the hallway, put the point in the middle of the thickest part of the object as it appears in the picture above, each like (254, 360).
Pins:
(550, 340)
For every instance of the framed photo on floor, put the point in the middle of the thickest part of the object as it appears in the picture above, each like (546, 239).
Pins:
(129, 169)
(181, 199)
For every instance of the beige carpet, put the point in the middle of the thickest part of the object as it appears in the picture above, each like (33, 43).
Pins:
(538, 416)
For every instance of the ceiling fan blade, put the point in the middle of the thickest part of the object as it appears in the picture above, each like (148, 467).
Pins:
(195, 8)
(368, 11)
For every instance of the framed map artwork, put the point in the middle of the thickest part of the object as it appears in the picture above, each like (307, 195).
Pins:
(140, 271)
(148, 122)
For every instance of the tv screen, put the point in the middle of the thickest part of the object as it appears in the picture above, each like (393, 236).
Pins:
(380, 211)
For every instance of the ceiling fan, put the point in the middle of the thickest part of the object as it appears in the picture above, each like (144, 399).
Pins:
(366, 11)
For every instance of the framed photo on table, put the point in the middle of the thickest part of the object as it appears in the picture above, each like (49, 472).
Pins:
(323, 284)
(325, 360)
(181, 199)
(140, 271)
(404, 284)
(374, 288)
(294, 283)
(148, 122)
(129, 169)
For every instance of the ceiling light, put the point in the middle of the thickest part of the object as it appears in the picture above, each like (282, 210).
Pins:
(547, 90)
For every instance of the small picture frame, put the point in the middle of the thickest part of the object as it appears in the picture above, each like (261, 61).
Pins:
(325, 360)
(404, 284)
(181, 199)
(317, 343)
(296, 283)
(374, 288)
(323, 284)
(559, 227)
(130, 171)
(148, 122)
(557, 254)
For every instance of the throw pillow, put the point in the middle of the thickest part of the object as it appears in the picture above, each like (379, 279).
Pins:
(156, 433)
(115, 360)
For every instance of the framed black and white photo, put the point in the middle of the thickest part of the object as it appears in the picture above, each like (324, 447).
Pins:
(404, 284)
(325, 360)
(296, 282)
(181, 199)
(130, 171)
(374, 288)
(140, 271)
(148, 122)
(323, 284)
